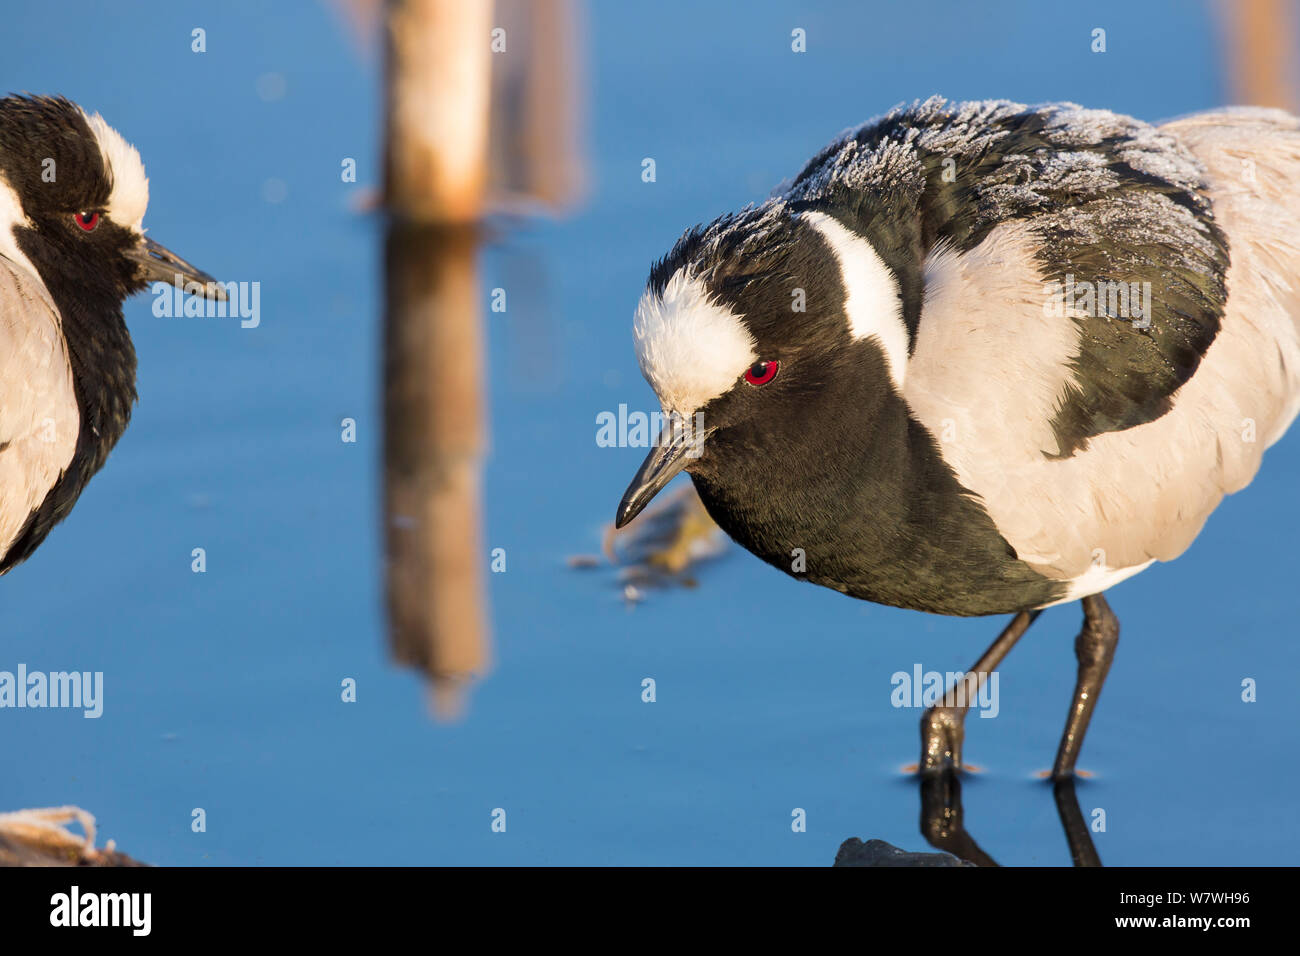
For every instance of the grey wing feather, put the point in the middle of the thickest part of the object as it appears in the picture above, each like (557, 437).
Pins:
(39, 421)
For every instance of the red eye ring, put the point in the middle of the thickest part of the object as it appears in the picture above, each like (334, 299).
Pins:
(87, 220)
(760, 373)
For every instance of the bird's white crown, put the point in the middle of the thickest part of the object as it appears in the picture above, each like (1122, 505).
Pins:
(130, 194)
(691, 348)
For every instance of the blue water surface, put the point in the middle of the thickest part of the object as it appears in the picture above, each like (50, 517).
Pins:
(223, 688)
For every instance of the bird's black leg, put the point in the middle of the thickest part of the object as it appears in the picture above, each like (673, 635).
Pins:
(943, 725)
(1082, 850)
(1095, 649)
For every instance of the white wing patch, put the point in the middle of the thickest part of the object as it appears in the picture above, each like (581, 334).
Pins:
(872, 301)
(11, 215)
(130, 195)
(691, 349)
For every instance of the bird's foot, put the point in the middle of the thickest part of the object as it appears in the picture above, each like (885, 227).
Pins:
(943, 730)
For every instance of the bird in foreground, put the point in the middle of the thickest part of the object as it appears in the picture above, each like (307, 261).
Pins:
(72, 248)
(984, 358)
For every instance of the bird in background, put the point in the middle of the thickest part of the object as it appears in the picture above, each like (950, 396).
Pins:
(984, 358)
(72, 249)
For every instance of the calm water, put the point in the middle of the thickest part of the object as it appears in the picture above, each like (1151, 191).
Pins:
(222, 689)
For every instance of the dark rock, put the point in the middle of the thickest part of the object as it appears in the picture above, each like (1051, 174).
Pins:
(853, 852)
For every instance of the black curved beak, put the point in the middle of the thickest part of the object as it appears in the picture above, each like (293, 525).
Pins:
(678, 445)
(157, 263)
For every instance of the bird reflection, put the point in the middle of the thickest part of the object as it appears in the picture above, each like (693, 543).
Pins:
(943, 824)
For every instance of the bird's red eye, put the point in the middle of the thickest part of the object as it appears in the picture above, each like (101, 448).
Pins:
(87, 220)
(760, 373)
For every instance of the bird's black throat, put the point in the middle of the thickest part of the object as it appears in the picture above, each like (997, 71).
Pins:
(855, 492)
(103, 364)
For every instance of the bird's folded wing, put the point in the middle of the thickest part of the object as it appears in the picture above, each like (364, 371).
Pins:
(1123, 247)
(995, 375)
(38, 407)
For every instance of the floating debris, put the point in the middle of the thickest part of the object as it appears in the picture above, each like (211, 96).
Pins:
(661, 546)
(38, 837)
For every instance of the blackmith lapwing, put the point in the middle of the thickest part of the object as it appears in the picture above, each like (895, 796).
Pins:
(72, 248)
(982, 358)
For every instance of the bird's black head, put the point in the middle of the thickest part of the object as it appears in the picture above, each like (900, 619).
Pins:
(73, 195)
(744, 334)
(54, 164)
